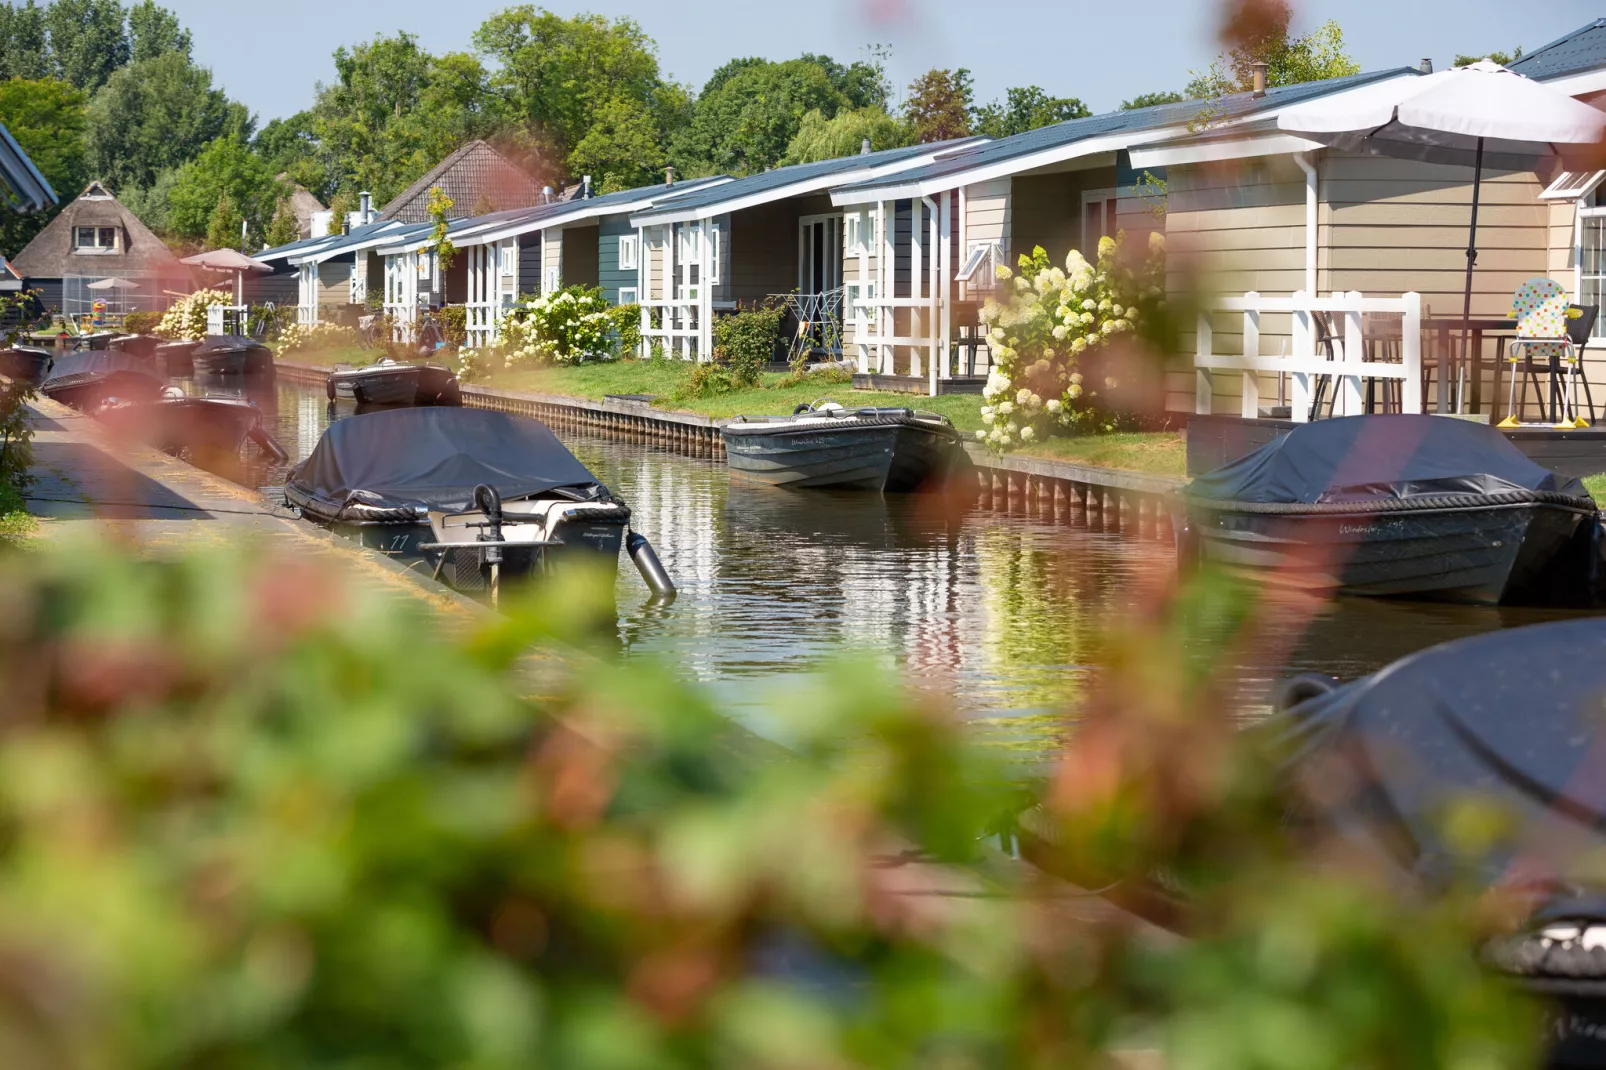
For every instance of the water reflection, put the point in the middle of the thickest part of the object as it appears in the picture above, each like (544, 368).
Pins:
(1001, 616)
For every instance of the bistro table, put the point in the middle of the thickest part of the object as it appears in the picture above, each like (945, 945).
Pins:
(1452, 364)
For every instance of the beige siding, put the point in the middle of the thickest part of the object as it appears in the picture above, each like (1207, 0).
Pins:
(552, 256)
(334, 283)
(987, 213)
(1560, 260)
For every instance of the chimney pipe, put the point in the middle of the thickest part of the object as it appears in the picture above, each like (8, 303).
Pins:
(669, 176)
(546, 194)
(864, 147)
(365, 201)
(1259, 70)
(1427, 65)
(585, 187)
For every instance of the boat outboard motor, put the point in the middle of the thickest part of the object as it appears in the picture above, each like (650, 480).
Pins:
(652, 570)
(489, 502)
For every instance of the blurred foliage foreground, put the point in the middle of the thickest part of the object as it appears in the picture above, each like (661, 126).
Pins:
(251, 816)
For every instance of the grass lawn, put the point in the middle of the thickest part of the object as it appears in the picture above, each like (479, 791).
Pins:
(328, 358)
(1597, 488)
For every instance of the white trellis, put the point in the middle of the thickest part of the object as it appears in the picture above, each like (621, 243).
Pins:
(484, 294)
(685, 254)
(1349, 366)
(307, 293)
(401, 292)
(928, 339)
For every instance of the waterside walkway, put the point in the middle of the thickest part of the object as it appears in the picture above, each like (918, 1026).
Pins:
(87, 484)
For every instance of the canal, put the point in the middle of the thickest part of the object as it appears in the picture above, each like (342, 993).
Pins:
(1001, 616)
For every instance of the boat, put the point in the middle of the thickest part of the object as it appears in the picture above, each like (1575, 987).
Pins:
(141, 345)
(1398, 506)
(827, 445)
(206, 426)
(428, 482)
(25, 363)
(177, 358)
(87, 378)
(1510, 720)
(391, 382)
(231, 354)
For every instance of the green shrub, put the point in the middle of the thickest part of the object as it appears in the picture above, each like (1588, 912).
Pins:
(572, 326)
(141, 322)
(746, 340)
(454, 325)
(626, 321)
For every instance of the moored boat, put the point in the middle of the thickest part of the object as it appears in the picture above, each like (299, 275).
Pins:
(177, 358)
(827, 445)
(87, 378)
(25, 363)
(391, 382)
(231, 354)
(413, 482)
(175, 422)
(1398, 506)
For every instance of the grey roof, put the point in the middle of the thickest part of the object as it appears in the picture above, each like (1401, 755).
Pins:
(331, 243)
(1137, 120)
(1582, 50)
(24, 188)
(476, 172)
(780, 177)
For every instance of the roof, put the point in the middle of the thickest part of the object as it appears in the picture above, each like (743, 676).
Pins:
(1107, 132)
(1582, 50)
(372, 236)
(329, 243)
(473, 174)
(24, 188)
(50, 255)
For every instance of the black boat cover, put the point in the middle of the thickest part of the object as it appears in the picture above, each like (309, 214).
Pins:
(1367, 458)
(227, 343)
(1514, 718)
(97, 363)
(381, 466)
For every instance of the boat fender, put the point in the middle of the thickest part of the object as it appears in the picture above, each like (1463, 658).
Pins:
(652, 570)
(329, 387)
(1300, 689)
(800, 409)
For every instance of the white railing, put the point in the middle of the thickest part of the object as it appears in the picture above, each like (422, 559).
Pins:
(1348, 366)
(226, 319)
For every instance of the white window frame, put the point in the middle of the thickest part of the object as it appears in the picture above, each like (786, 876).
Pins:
(858, 299)
(689, 244)
(1567, 187)
(715, 247)
(95, 248)
(852, 233)
(984, 276)
(1585, 214)
(509, 258)
(629, 252)
(552, 279)
(629, 295)
(1103, 198)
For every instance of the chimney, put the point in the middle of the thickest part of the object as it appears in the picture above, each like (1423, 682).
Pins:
(345, 224)
(1259, 70)
(585, 187)
(864, 147)
(669, 176)
(1427, 65)
(365, 205)
(546, 194)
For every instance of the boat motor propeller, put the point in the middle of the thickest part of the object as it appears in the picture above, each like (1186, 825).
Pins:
(489, 502)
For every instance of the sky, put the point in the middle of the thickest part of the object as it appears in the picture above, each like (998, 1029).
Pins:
(271, 56)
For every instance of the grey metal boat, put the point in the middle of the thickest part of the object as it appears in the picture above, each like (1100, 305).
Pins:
(827, 445)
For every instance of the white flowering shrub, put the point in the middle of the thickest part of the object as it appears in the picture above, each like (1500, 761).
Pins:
(1046, 332)
(186, 320)
(311, 338)
(573, 326)
(477, 365)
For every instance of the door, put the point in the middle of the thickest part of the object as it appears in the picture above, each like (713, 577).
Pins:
(1098, 219)
(819, 254)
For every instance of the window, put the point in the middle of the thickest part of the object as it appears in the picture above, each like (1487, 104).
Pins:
(856, 298)
(94, 239)
(629, 252)
(981, 265)
(1591, 260)
(853, 233)
(627, 295)
(554, 280)
(714, 246)
(689, 246)
(1098, 219)
(510, 258)
(1572, 185)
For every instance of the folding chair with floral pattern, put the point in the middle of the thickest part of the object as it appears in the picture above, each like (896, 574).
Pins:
(1542, 309)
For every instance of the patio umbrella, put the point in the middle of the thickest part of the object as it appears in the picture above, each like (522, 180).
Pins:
(112, 284)
(227, 261)
(1474, 116)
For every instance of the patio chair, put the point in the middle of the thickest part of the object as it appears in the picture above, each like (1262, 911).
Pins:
(1324, 341)
(1580, 328)
(1543, 312)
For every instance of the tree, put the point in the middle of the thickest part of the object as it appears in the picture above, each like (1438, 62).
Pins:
(223, 229)
(939, 105)
(154, 31)
(1150, 100)
(284, 228)
(156, 114)
(24, 49)
(863, 83)
(819, 138)
(87, 40)
(1026, 108)
(622, 150)
(290, 148)
(744, 125)
(1256, 31)
(225, 170)
(1505, 59)
(47, 117)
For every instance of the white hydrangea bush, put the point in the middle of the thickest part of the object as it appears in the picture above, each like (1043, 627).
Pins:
(1046, 330)
(572, 326)
(186, 320)
(314, 337)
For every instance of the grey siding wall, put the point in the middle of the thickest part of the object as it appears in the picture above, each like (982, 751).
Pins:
(530, 263)
(609, 276)
(580, 256)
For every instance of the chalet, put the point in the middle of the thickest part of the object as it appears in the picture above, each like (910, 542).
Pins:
(93, 240)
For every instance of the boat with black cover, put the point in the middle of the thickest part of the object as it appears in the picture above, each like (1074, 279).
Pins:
(141, 345)
(1512, 720)
(414, 482)
(87, 378)
(231, 354)
(27, 363)
(206, 427)
(178, 357)
(392, 382)
(1399, 506)
(827, 445)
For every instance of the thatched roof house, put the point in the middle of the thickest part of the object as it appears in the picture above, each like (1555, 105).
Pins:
(476, 177)
(96, 238)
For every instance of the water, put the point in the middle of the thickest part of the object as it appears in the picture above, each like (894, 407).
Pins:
(1002, 617)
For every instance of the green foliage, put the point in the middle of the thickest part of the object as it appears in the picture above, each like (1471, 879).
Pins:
(744, 342)
(284, 227)
(223, 228)
(454, 325)
(154, 31)
(625, 321)
(87, 40)
(623, 149)
(440, 215)
(1262, 36)
(1150, 100)
(819, 138)
(1505, 59)
(743, 124)
(141, 322)
(939, 104)
(226, 170)
(572, 326)
(16, 446)
(156, 115)
(1025, 108)
(24, 48)
(47, 117)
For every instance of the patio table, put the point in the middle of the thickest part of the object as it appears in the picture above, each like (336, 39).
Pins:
(1452, 364)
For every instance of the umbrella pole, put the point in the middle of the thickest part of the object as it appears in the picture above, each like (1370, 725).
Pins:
(1472, 261)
